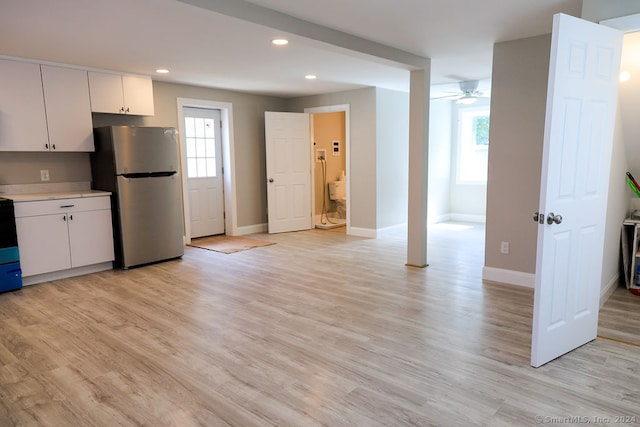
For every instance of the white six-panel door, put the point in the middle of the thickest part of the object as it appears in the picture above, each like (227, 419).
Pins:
(581, 106)
(288, 155)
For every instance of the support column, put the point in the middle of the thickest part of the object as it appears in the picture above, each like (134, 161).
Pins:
(418, 166)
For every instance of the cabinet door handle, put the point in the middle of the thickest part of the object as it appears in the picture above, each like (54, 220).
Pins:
(127, 110)
(46, 146)
(53, 146)
(71, 217)
(64, 218)
(66, 206)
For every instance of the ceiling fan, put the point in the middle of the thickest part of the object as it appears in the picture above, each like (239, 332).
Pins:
(468, 94)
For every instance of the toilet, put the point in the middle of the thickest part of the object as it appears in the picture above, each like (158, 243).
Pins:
(338, 193)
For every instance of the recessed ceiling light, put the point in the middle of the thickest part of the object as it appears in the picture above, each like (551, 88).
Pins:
(162, 71)
(310, 77)
(625, 76)
(280, 42)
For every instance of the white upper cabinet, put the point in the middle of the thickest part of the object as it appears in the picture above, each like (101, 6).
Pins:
(44, 108)
(66, 99)
(106, 93)
(48, 107)
(138, 95)
(23, 123)
(121, 94)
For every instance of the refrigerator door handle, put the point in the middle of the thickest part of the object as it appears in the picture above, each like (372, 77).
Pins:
(148, 174)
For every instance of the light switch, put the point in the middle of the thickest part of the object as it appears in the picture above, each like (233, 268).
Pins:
(335, 148)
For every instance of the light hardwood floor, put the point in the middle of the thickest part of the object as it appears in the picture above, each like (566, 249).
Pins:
(319, 329)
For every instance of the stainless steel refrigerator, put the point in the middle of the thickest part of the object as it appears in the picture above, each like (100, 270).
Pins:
(140, 166)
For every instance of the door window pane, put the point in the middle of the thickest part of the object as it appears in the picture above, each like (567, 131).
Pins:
(211, 148)
(189, 127)
(192, 168)
(202, 167)
(201, 153)
(191, 147)
(208, 128)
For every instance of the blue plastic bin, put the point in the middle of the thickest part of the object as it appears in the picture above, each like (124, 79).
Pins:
(10, 277)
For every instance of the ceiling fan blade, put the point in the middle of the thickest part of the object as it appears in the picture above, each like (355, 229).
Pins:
(446, 96)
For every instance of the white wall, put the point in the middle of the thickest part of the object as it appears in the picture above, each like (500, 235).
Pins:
(467, 201)
(438, 204)
(629, 100)
(619, 194)
(625, 155)
(449, 199)
(518, 106)
(599, 10)
(392, 157)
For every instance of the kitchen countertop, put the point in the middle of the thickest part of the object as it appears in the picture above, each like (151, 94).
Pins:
(32, 197)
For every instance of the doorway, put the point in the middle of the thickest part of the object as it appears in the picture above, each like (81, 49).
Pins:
(203, 138)
(224, 161)
(330, 167)
(329, 176)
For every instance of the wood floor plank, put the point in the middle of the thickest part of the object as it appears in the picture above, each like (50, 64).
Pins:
(320, 329)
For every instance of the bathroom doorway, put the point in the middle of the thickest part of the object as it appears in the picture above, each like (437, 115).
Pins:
(330, 194)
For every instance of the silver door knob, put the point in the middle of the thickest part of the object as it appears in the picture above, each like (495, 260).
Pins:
(538, 217)
(554, 218)
(270, 179)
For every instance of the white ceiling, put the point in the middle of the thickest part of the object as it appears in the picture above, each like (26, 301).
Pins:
(206, 46)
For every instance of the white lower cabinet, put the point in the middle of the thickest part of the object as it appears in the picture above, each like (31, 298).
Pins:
(43, 242)
(90, 237)
(55, 235)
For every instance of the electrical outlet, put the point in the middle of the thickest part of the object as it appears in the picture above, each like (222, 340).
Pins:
(44, 175)
(504, 247)
(321, 154)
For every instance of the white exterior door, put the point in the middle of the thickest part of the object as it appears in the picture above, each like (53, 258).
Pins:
(581, 106)
(288, 154)
(204, 171)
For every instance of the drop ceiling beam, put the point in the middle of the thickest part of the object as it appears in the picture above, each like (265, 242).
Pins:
(260, 15)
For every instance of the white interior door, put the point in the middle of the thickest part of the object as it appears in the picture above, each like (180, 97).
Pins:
(288, 155)
(581, 106)
(204, 170)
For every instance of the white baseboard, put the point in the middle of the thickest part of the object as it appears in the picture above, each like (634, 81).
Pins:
(363, 232)
(63, 274)
(608, 289)
(391, 228)
(467, 218)
(511, 277)
(438, 219)
(528, 280)
(250, 229)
